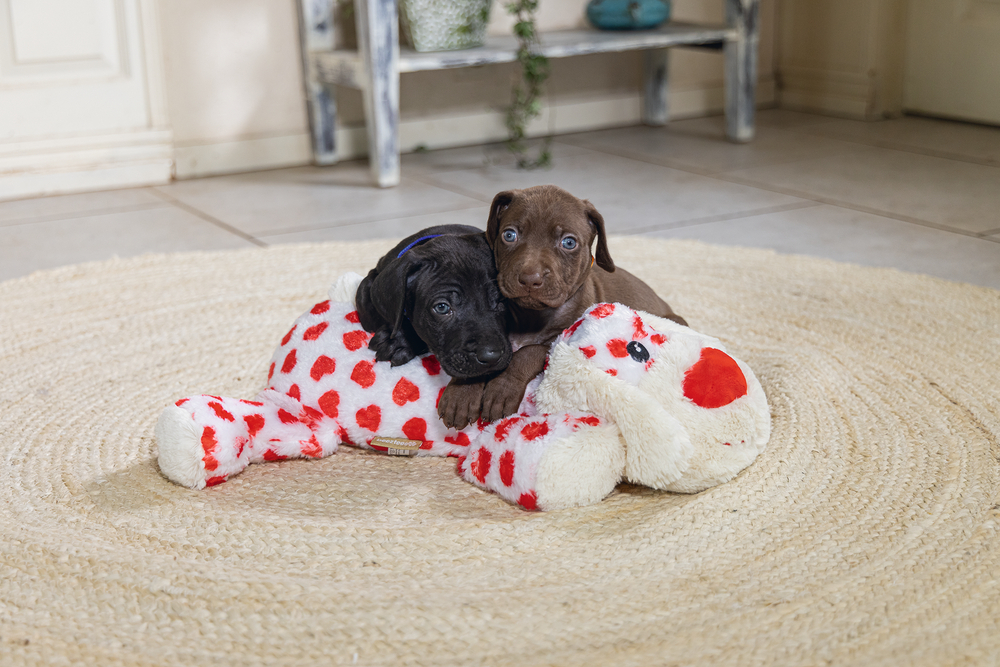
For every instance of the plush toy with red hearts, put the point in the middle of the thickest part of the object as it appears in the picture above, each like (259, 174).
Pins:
(626, 396)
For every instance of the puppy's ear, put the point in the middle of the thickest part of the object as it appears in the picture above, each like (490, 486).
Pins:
(602, 255)
(389, 293)
(499, 205)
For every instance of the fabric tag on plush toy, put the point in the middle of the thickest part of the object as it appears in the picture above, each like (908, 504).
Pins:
(397, 446)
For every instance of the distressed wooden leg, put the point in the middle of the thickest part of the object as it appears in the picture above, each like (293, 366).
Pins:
(741, 69)
(322, 109)
(378, 46)
(316, 34)
(655, 105)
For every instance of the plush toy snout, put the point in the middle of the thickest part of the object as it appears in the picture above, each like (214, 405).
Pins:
(690, 415)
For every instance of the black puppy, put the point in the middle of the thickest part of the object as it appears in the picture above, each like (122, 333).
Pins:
(437, 291)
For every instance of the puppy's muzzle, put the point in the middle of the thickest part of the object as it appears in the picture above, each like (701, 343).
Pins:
(534, 289)
(488, 356)
(484, 359)
(531, 280)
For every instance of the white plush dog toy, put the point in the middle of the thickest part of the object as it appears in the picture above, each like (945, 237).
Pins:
(625, 396)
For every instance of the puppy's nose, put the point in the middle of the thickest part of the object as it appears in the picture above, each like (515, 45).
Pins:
(531, 280)
(488, 355)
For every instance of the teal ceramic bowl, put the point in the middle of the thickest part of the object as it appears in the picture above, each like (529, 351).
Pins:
(628, 14)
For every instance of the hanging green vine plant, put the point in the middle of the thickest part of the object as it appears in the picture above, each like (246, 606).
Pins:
(525, 98)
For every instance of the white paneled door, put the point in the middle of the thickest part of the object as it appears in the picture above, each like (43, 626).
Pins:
(81, 96)
(953, 59)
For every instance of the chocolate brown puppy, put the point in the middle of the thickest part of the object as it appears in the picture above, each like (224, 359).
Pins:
(542, 239)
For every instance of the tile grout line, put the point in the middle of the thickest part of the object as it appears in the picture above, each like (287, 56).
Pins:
(208, 218)
(502, 161)
(914, 150)
(854, 207)
(722, 217)
(666, 163)
(687, 168)
(74, 215)
(883, 145)
(428, 179)
(361, 221)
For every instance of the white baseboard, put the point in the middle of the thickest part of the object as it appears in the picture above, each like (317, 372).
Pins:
(563, 117)
(80, 164)
(227, 157)
(835, 105)
(826, 91)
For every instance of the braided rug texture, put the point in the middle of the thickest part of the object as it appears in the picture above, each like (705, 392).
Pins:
(866, 533)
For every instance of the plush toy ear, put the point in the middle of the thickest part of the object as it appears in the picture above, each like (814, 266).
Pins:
(345, 290)
(389, 294)
(657, 447)
(602, 255)
(501, 202)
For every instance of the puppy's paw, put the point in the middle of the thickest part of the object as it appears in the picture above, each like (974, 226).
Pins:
(460, 403)
(394, 349)
(502, 396)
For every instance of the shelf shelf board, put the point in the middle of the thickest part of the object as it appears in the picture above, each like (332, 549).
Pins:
(566, 43)
(342, 67)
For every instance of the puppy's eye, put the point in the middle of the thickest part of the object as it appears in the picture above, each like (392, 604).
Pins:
(569, 243)
(509, 235)
(441, 308)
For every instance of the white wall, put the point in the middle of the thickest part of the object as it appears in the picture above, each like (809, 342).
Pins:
(234, 85)
(842, 57)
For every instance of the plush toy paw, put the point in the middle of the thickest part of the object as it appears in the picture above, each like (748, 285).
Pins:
(180, 455)
(205, 440)
(546, 462)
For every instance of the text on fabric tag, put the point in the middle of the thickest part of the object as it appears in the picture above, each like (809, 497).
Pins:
(397, 446)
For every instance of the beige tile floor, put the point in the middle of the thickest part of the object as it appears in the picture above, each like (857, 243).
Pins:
(913, 193)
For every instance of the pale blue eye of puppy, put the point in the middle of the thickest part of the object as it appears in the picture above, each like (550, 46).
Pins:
(441, 308)
(569, 243)
(509, 235)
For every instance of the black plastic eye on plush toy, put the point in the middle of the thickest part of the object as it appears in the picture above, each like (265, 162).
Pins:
(637, 351)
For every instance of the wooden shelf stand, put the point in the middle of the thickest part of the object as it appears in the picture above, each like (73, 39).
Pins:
(375, 67)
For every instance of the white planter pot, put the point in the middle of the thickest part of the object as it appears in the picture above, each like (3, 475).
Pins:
(444, 25)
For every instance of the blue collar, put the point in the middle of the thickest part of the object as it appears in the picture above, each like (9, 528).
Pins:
(420, 240)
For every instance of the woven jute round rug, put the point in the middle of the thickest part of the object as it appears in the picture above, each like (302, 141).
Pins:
(866, 533)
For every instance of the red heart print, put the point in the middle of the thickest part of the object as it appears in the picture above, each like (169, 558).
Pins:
(364, 374)
(323, 365)
(481, 465)
(404, 392)
(315, 331)
(329, 403)
(355, 340)
(369, 418)
(507, 468)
